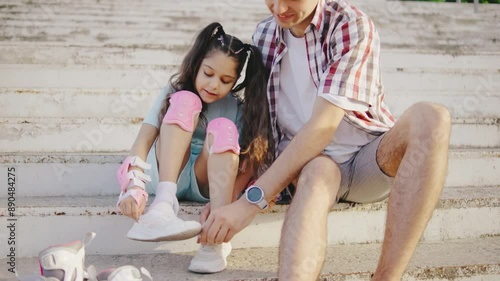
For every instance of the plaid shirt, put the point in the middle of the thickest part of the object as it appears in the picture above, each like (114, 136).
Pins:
(343, 50)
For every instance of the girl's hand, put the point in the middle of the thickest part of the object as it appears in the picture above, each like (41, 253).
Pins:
(203, 218)
(130, 208)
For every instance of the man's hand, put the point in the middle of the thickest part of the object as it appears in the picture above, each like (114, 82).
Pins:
(129, 207)
(224, 222)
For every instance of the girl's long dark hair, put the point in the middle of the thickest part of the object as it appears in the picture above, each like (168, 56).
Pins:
(257, 145)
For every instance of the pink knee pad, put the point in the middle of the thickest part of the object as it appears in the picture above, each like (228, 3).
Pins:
(184, 106)
(225, 136)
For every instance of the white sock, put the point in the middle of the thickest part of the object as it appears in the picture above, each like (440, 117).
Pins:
(165, 197)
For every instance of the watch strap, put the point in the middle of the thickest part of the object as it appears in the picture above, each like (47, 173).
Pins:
(263, 204)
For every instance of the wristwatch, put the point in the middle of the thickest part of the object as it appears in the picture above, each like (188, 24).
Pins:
(255, 195)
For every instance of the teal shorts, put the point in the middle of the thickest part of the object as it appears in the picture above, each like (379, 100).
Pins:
(187, 186)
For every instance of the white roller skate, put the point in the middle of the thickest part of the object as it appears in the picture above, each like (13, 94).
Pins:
(66, 262)
(124, 273)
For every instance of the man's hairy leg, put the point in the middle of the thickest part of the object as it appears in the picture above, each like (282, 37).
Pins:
(415, 150)
(304, 233)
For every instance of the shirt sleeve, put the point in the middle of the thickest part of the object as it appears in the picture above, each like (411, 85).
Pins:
(352, 78)
(153, 113)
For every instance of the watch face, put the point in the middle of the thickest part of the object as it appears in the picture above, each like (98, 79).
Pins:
(254, 194)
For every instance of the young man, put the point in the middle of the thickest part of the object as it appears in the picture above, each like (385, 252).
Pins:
(337, 139)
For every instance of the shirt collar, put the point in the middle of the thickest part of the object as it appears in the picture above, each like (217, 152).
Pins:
(316, 22)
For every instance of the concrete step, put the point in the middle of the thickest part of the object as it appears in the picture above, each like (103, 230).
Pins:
(154, 18)
(181, 20)
(454, 11)
(136, 102)
(57, 219)
(35, 53)
(464, 260)
(454, 28)
(397, 79)
(51, 15)
(462, 105)
(94, 174)
(476, 96)
(99, 25)
(57, 31)
(130, 8)
(24, 22)
(53, 135)
(401, 8)
(403, 39)
(106, 37)
(63, 55)
(83, 77)
(450, 10)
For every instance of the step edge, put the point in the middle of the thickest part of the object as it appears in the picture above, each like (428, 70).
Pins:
(106, 205)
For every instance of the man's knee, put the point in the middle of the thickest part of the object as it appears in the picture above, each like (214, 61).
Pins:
(320, 177)
(429, 119)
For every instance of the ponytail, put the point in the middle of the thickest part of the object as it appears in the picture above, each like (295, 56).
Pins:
(257, 136)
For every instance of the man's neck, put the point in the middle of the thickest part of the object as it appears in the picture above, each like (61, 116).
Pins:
(297, 32)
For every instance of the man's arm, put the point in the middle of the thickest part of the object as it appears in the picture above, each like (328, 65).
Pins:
(310, 141)
(354, 54)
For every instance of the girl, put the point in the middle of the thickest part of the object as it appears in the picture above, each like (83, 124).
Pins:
(204, 141)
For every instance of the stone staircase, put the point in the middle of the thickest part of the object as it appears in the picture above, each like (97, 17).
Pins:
(77, 77)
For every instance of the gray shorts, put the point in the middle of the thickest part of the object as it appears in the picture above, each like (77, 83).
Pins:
(362, 180)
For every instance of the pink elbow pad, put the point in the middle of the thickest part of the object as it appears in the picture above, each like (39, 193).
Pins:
(184, 106)
(225, 136)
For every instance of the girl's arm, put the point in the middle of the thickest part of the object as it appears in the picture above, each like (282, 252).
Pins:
(143, 142)
(145, 139)
(150, 127)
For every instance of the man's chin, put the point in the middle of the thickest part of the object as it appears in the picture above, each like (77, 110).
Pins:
(284, 24)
